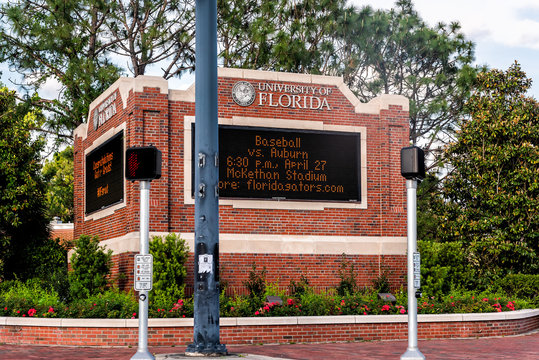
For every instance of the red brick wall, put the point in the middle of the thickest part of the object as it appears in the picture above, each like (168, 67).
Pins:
(322, 271)
(262, 334)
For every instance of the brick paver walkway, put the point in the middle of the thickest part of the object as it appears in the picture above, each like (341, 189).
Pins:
(523, 347)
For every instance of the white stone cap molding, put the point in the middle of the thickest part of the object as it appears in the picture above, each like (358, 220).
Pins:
(261, 321)
(278, 244)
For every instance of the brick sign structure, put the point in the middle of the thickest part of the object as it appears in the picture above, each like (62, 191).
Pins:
(309, 176)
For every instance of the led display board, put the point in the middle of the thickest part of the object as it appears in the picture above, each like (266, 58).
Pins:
(268, 163)
(105, 174)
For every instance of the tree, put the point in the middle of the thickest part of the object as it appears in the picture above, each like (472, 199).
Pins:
(492, 190)
(153, 32)
(293, 36)
(58, 174)
(61, 40)
(375, 51)
(396, 52)
(23, 224)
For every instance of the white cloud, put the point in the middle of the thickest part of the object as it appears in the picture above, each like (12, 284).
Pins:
(51, 88)
(511, 23)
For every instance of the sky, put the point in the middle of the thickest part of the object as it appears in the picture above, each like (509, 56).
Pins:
(502, 30)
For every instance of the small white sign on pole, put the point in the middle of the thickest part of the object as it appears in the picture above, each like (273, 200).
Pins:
(143, 272)
(417, 270)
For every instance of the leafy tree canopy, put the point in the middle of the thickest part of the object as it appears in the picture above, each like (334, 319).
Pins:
(23, 224)
(63, 41)
(376, 52)
(492, 190)
(58, 174)
(396, 52)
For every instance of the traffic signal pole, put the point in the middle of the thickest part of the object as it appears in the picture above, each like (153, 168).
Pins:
(206, 297)
(142, 352)
(412, 352)
(412, 169)
(143, 164)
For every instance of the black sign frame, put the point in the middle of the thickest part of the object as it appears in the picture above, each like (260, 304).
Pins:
(339, 150)
(104, 174)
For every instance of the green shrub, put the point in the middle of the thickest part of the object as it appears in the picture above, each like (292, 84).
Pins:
(238, 306)
(311, 304)
(18, 298)
(348, 284)
(90, 268)
(176, 309)
(169, 271)
(52, 268)
(521, 286)
(299, 288)
(469, 302)
(380, 284)
(444, 268)
(112, 304)
(256, 283)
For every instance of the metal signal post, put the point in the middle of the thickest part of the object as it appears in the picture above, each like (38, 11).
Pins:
(206, 298)
(412, 168)
(143, 164)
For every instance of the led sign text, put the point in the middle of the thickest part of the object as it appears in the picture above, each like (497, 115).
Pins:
(288, 164)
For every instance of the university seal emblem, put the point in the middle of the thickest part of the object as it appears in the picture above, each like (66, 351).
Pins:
(243, 93)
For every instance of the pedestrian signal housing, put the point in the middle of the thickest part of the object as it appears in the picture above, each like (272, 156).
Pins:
(143, 163)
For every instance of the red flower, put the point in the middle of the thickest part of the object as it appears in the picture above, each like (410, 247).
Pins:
(386, 308)
(290, 302)
(257, 313)
(402, 310)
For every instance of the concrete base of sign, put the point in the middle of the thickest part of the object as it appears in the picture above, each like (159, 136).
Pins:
(413, 354)
(211, 350)
(143, 355)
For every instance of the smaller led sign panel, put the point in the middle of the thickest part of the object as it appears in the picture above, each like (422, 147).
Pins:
(104, 175)
(143, 163)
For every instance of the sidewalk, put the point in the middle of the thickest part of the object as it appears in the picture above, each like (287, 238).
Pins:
(522, 347)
